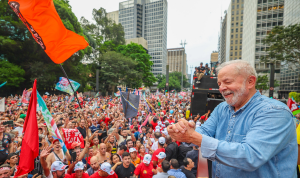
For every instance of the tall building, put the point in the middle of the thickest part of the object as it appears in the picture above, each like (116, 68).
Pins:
(223, 34)
(114, 16)
(260, 17)
(214, 58)
(147, 19)
(234, 38)
(175, 61)
(289, 73)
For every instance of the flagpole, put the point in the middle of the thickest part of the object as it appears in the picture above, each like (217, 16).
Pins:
(70, 84)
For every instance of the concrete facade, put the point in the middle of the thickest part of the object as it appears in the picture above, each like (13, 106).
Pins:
(175, 61)
(140, 41)
(223, 34)
(114, 16)
(147, 19)
(260, 17)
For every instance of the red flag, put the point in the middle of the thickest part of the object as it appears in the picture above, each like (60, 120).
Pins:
(30, 142)
(46, 27)
(293, 106)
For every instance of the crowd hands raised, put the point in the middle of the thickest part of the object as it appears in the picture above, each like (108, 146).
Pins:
(112, 146)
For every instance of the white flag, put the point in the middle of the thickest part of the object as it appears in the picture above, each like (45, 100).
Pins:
(2, 105)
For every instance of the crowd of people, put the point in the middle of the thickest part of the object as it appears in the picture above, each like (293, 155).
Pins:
(113, 146)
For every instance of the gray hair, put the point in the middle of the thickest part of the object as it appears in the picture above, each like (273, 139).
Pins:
(243, 67)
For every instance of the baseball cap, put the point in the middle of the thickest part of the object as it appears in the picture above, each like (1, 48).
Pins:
(191, 121)
(106, 167)
(165, 132)
(58, 166)
(75, 144)
(157, 130)
(147, 159)
(161, 140)
(198, 124)
(54, 141)
(159, 123)
(132, 150)
(157, 127)
(161, 155)
(79, 166)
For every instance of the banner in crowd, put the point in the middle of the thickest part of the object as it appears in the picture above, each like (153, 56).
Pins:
(64, 85)
(2, 105)
(132, 102)
(2, 84)
(72, 135)
(293, 106)
(46, 27)
(26, 96)
(51, 125)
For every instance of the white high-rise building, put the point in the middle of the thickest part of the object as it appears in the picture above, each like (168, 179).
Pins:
(147, 19)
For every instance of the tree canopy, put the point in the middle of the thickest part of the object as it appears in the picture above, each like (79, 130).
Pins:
(284, 42)
(174, 81)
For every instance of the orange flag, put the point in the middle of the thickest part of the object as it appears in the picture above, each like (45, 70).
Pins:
(47, 29)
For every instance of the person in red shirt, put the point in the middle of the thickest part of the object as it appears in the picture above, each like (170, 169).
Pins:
(145, 169)
(154, 122)
(161, 157)
(171, 120)
(79, 167)
(161, 143)
(105, 172)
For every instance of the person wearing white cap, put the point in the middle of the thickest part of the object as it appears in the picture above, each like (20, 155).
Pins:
(157, 135)
(161, 143)
(104, 172)
(145, 169)
(161, 157)
(133, 155)
(198, 124)
(78, 168)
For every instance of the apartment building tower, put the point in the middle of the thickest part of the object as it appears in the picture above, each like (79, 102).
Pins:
(147, 19)
(223, 34)
(176, 62)
(234, 30)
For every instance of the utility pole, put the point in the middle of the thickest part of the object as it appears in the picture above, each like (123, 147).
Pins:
(192, 67)
(183, 45)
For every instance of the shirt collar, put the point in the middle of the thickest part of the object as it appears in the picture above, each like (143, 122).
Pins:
(253, 98)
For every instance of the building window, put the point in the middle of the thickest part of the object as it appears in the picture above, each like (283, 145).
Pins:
(232, 13)
(258, 25)
(241, 47)
(236, 36)
(241, 41)
(235, 53)
(231, 53)
(236, 48)
(232, 24)
(238, 1)
(240, 53)
(231, 42)
(231, 36)
(237, 12)
(237, 24)
(241, 23)
(232, 30)
(236, 41)
(237, 6)
(232, 19)
(232, 7)
(241, 35)
(231, 48)
(241, 17)
(233, 1)
(242, 11)
(241, 30)
(237, 18)
(237, 30)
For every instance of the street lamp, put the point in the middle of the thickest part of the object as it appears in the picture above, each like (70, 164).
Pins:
(183, 45)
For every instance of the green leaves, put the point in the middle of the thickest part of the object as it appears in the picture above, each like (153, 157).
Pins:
(11, 73)
(284, 42)
(174, 81)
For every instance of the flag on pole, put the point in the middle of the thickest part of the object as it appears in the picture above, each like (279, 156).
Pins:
(30, 142)
(132, 104)
(46, 27)
(293, 106)
(51, 125)
(2, 84)
(64, 85)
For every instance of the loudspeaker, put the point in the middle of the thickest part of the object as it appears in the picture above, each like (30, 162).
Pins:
(207, 82)
(198, 103)
(212, 104)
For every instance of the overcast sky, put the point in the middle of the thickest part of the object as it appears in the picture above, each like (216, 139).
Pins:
(196, 21)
